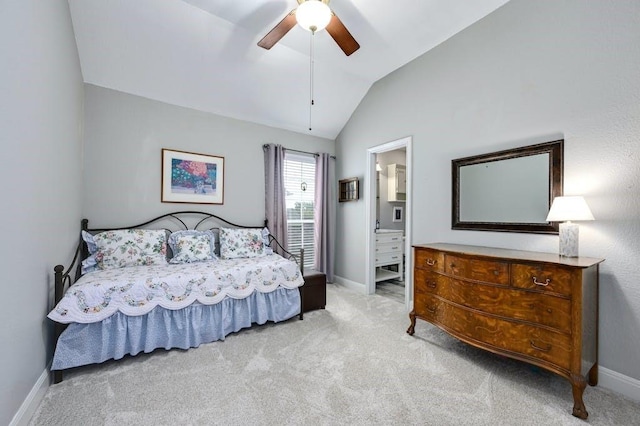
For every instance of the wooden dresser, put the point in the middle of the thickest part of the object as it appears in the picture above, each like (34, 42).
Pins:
(535, 307)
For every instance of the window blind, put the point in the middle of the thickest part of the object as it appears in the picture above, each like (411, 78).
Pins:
(299, 184)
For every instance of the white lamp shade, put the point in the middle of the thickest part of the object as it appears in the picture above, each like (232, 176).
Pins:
(569, 208)
(313, 15)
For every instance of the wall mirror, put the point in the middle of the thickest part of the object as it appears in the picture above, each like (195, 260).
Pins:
(508, 191)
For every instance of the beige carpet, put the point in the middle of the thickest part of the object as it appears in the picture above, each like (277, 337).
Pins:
(351, 364)
(393, 289)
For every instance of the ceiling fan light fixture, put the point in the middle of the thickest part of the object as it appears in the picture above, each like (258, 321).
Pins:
(313, 15)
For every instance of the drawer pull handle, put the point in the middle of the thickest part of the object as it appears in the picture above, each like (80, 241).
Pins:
(534, 346)
(544, 284)
(431, 310)
(431, 262)
(496, 272)
(431, 284)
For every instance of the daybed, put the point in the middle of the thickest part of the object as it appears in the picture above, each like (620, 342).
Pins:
(166, 284)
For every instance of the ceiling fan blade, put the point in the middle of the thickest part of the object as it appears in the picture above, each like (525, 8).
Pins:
(342, 36)
(278, 31)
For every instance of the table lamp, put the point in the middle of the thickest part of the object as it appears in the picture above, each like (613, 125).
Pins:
(566, 209)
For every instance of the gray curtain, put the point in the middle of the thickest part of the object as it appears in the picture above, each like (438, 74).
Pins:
(274, 203)
(325, 215)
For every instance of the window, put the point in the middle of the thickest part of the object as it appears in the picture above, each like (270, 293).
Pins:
(299, 185)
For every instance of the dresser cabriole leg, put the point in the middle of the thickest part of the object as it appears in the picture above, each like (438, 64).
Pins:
(578, 383)
(412, 327)
(593, 375)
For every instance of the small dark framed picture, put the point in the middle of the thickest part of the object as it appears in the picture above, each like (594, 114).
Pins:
(397, 214)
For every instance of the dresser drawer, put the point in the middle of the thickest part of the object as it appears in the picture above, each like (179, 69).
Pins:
(387, 258)
(425, 281)
(429, 259)
(533, 307)
(507, 335)
(507, 302)
(426, 306)
(548, 278)
(389, 237)
(476, 269)
(393, 247)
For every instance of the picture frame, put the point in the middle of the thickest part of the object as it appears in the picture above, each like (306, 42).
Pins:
(397, 214)
(348, 189)
(193, 178)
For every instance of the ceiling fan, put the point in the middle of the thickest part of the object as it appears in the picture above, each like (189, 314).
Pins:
(313, 15)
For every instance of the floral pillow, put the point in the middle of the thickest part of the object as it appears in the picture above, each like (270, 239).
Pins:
(235, 243)
(130, 247)
(192, 246)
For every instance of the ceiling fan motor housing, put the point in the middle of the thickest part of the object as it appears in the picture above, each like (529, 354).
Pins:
(313, 15)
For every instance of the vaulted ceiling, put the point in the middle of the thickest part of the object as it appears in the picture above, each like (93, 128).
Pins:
(202, 54)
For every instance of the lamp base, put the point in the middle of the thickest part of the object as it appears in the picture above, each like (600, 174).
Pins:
(569, 239)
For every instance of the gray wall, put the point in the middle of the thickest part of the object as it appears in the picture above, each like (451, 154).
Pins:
(530, 72)
(124, 135)
(40, 147)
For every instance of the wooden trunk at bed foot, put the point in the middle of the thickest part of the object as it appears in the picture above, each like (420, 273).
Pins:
(534, 307)
(314, 291)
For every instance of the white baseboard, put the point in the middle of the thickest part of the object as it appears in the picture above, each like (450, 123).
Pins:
(625, 385)
(351, 285)
(32, 401)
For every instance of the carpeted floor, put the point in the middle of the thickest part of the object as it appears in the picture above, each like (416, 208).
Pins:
(352, 363)
(393, 289)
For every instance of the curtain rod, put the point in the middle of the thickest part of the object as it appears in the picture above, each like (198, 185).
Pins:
(315, 154)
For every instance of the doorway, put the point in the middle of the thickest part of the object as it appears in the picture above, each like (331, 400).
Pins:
(390, 165)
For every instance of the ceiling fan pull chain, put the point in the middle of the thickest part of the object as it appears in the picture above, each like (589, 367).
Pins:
(311, 64)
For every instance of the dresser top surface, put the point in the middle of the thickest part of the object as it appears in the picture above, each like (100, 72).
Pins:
(389, 231)
(580, 262)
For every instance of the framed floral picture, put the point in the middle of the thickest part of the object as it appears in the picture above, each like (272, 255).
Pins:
(192, 178)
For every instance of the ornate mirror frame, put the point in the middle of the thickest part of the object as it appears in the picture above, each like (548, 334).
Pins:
(555, 170)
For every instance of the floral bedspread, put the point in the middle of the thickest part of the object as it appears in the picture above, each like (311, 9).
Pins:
(136, 290)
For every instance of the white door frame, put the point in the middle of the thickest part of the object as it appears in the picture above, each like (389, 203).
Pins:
(370, 198)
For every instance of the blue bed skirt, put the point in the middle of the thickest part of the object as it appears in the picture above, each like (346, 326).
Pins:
(120, 335)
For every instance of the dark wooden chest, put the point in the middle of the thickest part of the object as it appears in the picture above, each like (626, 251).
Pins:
(314, 291)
